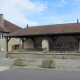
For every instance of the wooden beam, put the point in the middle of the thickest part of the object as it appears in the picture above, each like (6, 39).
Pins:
(6, 44)
(54, 38)
(9, 38)
(23, 39)
(22, 45)
(34, 39)
(78, 41)
(76, 37)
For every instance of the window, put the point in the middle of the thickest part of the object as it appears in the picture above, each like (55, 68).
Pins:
(3, 36)
(0, 36)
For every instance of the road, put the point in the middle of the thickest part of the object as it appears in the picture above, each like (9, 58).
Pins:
(38, 74)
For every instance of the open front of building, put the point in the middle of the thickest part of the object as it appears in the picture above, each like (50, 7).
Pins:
(61, 37)
(56, 43)
(61, 43)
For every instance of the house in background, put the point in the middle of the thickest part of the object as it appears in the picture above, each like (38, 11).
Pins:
(60, 36)
(7, 27)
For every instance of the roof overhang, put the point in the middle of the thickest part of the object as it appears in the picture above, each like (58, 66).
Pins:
(43, 35)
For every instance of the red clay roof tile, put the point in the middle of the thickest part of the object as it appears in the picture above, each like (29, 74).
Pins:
(48, 29)
(9, 27)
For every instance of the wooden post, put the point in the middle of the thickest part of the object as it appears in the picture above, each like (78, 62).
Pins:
(6, 44)
(22, 44)
(78, 43)
(23, 39)
(34, 40)
(7, 40)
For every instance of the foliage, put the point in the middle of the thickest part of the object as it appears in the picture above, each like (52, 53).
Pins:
(50, 60)
(20, 58)
(64, 57)
(19, 62)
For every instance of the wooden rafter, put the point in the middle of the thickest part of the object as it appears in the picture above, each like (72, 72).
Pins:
(34, 39)
(54, 38)
(23, 39)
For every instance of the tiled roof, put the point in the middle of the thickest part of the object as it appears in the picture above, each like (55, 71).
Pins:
(48, 29)
(9, 27)
(1, 29)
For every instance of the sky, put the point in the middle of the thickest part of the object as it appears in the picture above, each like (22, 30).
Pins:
(40, 12)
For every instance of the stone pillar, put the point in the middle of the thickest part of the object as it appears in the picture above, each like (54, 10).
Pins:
(45, 45)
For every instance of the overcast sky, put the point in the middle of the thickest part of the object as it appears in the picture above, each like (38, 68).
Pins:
(40, 12)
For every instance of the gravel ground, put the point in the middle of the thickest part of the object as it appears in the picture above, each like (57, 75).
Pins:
(61, 64)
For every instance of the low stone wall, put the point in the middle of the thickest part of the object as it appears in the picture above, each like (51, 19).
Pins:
(2, 55)
(44, 55)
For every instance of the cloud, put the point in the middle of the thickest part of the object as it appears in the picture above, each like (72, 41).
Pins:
(69, 13)
(23, 12)
(60, 3)
(16, 11)
(62, 18)
(29, 6)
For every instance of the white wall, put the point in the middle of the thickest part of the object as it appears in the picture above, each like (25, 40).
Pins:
(28, 43)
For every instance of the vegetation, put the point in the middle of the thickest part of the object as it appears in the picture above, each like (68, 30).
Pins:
(48, 63)
(19, 62)
(64, 57)
(20, 58)
(49, 60)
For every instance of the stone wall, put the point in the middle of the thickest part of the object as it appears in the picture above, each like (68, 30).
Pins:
(43, 55)
(2, 55)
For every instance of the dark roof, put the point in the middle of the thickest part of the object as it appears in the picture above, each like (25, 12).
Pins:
(9, 27)
(48, 29)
